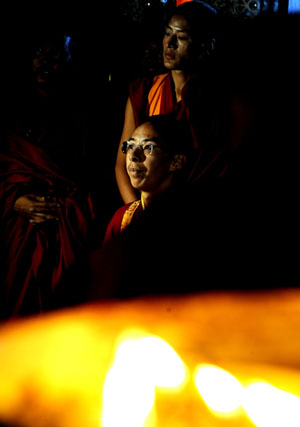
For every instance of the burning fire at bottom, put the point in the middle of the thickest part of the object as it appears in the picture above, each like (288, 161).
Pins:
(144, 364)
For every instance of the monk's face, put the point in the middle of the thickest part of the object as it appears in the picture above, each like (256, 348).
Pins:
(47, 63)
(149, 172)
(177, 44)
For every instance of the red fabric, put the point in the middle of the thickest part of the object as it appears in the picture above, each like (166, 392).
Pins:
(37, 257)
(138, 93)
(114, 226)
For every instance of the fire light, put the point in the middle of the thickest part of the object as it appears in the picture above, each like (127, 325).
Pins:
(140, 364)
(220, 390)
(267, 406)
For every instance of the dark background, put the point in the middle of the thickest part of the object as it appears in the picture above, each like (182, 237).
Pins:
(117, 41)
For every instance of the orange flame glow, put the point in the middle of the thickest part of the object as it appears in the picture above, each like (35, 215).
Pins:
(267, 406)
(219, 389)
(140, 365)
(76, 367)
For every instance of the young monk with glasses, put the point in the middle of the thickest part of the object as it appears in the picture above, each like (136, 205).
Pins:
(156, 157)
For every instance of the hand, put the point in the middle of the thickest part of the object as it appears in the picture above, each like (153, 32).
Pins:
(36, 208)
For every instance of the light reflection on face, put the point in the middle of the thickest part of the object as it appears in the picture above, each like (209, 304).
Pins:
(147, 172)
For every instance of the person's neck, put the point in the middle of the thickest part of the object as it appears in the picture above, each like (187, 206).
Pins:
(146, 199)
(180, 78)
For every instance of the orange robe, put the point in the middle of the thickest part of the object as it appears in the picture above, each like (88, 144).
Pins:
(199, 106)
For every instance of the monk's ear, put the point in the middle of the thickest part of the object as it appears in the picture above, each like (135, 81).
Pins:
(207, 48)
(178, 162)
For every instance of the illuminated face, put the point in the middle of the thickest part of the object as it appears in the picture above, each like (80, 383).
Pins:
(147, 172)
(177, 44)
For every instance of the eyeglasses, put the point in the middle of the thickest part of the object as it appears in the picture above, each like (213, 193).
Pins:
(129, 147)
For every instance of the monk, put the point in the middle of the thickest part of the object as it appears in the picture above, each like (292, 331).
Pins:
(46, 208)
(156, 159)
(188, 46)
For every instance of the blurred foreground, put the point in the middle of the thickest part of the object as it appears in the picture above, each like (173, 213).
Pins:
(57, 368)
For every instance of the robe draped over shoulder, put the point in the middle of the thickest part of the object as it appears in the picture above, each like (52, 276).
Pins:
(199, 106)
(36, 259)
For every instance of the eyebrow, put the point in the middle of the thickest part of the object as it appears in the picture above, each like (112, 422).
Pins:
(153, 139)
(179, 30)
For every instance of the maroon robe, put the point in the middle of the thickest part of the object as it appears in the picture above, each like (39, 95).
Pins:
(211, 115)
(37, 259)
(122, 218)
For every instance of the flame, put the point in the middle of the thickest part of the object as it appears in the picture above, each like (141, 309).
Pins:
(267, 406)
(220, 390)
(140, 365)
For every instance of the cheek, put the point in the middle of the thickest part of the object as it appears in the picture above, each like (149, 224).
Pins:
(153, 164)
(158, 169)
(186, 51)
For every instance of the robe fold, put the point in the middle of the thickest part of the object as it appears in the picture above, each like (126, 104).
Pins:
(37, 259)
(122, 218)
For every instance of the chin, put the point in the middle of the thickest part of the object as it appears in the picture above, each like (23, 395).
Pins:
(136, 185)
(169, 66)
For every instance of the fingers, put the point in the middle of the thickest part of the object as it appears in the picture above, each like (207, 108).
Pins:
(37, 208)
(35, 197)
(43, 214)
(43, 205)
(46, 207)
(38, 218)
(43, 211)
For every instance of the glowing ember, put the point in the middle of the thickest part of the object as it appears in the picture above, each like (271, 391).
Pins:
(268, 406)
(140, 365)
(219, 389)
